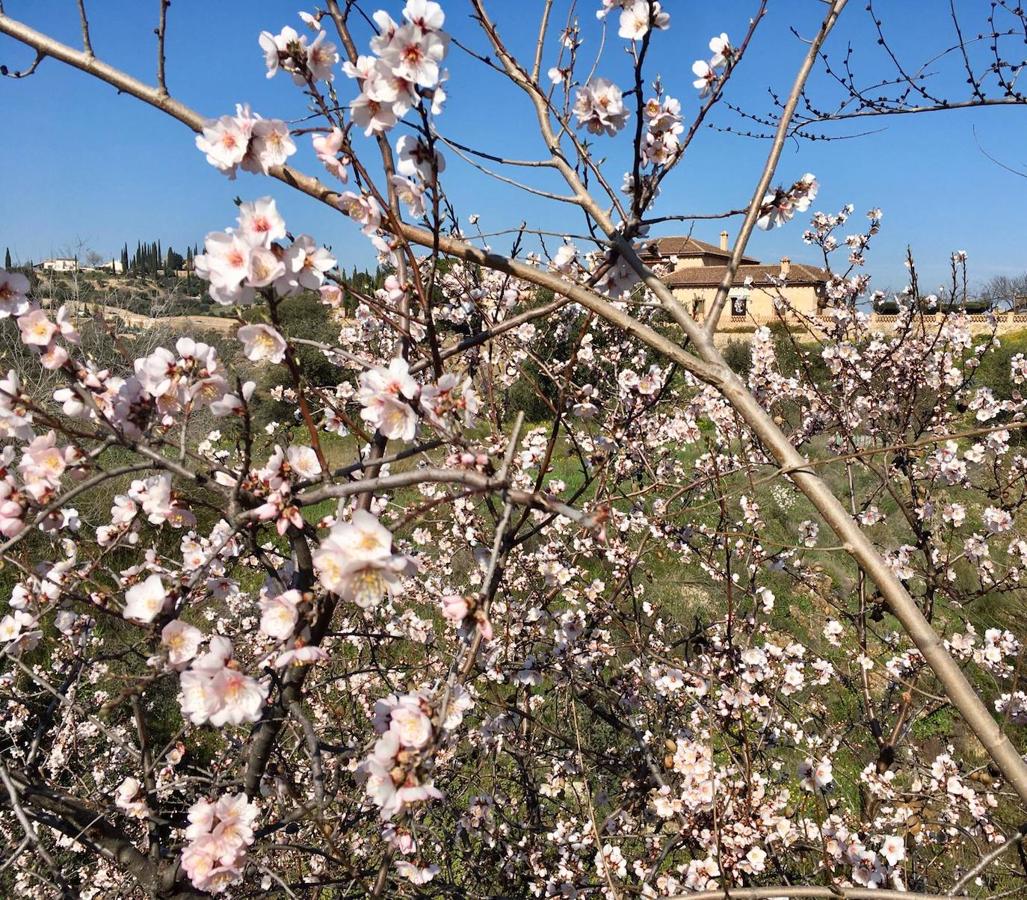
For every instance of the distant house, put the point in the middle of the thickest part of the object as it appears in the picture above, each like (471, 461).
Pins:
(110, 267)
(58, 264)
(697, 269)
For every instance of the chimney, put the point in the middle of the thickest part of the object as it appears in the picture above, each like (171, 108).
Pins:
(786, 265)
(723, 240)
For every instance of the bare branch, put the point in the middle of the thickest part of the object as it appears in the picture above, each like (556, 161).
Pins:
(87, 44)
(161, 31)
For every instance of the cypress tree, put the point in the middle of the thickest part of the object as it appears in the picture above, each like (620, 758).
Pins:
(7, 259)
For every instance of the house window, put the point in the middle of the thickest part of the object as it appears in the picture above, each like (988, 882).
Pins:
(739, 303)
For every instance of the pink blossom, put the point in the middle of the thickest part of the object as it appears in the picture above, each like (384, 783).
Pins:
(36, 328)
(455, 608)
(260, 222)
(14, 289)
(218, 836)
(417, 159)
(261, 343)
(306, 264)
(240, 698)
(409, 723)
(278, 615)
(356, 561)
(225, 141)
(382, 393)
(415, 56)
(145, 601)
(328, 147)
(361, 208)
(270, 146)
(705, 76)
(182, 641)
(636, 16)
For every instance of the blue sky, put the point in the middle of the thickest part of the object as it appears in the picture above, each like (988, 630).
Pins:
(80, 162)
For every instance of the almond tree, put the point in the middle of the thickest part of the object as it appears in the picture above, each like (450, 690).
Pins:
(479, 655)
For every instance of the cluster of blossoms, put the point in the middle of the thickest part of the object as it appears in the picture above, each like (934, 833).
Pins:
(697, 789)
(708, 74)
(219, 833)
(49, 339)
(328, 148)
(288, 51)
(41, 469)
(822, 233)
(357, 562)
(171, 383)
(274, 482)
(384, 394)
(1013, 707)
(163, 386)
(36, 479)
(390, 772)
(240, 261)
(15, 416)
(213, 688)
(245, 141)
(152, 499)
(663, 125)
(599, 107)
(467, 614)
(406, 60)
(823, 226)
(18, 632)
(636, 17)
(387, 397)
(471, 292)
(780, 205)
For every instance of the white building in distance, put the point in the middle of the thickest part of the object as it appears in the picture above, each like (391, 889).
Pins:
(58, 264)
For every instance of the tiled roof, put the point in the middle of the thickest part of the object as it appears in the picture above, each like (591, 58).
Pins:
(710, 276)
(685, 246)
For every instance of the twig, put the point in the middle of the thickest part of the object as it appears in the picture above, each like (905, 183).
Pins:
(24, 73)
(161, 31)
(960, 886)
(87, 44)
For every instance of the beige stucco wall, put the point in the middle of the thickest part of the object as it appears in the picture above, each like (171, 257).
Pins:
(688, 262)
(759, 308)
